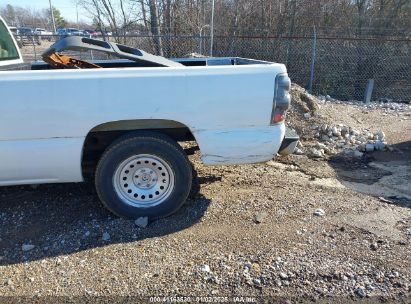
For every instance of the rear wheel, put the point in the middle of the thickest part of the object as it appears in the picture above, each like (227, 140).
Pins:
(143, 174)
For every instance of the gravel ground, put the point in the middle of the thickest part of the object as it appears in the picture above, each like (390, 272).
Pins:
(329, 229)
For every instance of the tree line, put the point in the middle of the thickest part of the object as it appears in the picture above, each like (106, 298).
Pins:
(264, 18)
(278, 18)
(35, 18)
(258, 17)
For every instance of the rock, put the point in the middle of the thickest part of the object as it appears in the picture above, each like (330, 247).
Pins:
(360, 291)
(87, 233)
(259, 217)
(205, 268)
(379, 145)
(369, 147)
(298, 151)
(335, 131)
(321, 146)
(347, 151)
(27, 247)
(355, 132)
(316, 153)
(141, 222)
(340, 145)
(319, 212)
(283, 276)
(325, 138)
(358, 154)
(307, 115)
(9, 282)
(106, 236)
(374, 246)
(379, 135)
(329, 98)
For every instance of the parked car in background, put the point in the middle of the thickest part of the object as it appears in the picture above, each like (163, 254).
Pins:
(107, 32)
(14, 31)
(67, 32)
(43, 33)
(90, 33)
(28, 36)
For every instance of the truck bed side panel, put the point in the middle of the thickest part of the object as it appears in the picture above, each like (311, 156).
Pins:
(38, 107)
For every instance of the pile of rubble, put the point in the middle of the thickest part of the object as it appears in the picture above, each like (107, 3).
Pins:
(320, 137)
(303, 112)
(344, 139)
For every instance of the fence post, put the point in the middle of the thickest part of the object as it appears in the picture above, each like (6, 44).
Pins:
(313, 55)
(369, 90)
(212, 29)
(34, 48)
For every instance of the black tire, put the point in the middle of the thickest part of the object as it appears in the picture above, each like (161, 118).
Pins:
(143, 143)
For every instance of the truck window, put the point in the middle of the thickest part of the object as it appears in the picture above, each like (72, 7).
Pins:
(8, 49)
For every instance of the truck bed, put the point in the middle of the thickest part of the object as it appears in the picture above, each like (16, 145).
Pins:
(124, 63)
(188, 62)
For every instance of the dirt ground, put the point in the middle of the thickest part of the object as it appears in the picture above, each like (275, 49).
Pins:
(245, 231)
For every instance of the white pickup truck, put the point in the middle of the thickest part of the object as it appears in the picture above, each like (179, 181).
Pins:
(121, 120)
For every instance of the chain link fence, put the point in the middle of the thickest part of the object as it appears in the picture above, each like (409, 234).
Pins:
(339, 67)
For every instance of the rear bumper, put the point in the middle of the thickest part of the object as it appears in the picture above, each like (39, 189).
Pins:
(240, 146)
(289, 143)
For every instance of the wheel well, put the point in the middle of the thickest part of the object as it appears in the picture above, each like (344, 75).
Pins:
(101, 136)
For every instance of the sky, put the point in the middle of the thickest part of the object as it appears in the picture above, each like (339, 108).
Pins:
(66, 7)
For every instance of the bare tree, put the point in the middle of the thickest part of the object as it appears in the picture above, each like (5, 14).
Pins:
(155, 27)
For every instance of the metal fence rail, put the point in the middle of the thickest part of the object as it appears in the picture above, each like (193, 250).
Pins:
(340, 67)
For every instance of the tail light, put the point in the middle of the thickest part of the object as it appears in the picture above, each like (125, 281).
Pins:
(282, 98)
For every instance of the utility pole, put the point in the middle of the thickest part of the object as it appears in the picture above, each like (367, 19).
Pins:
(212, 29)
(52, 17)
(78, 27)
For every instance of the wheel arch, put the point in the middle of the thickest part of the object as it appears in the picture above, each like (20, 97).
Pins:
(101, 136)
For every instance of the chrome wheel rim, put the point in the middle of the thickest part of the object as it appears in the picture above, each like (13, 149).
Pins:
(143, 181)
